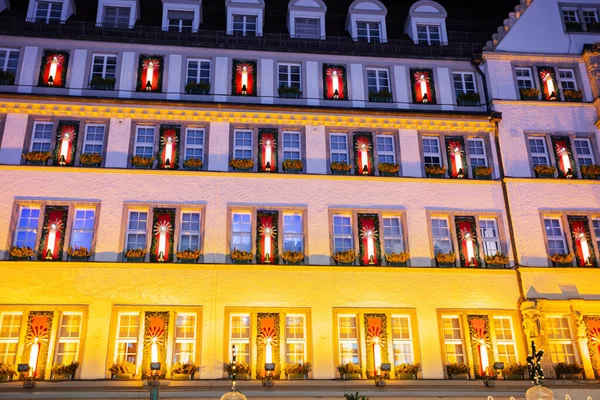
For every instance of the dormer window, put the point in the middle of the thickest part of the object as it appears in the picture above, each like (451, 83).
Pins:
(429, 34)
(180, 21)
(117, 13)
(244, 25)
(46, 11)
(181, 16)
(4, 4)
(245, 17)
(306, 19)
(116, 17)
(370, 31)
(426, 23)
(366, 21)
(307, 28)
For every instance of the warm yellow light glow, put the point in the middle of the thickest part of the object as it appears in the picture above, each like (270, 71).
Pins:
(585, 248)
(245, 77)
(377, 354)
(268, 152)
(364, 155)
(51, 238)
(335, 85)
(53, 69)
(150, 72)
(470, 248)
(162, 242)
(33, 356)
(154, 356)
(64, 147)
(423, 83)
(268, 351)
(564, 156)
(169, 150)
(485, 362)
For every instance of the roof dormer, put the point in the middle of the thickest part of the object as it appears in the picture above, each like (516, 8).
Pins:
(245, 17)
(181, 15)
(117, 13)
(306, 19)
(48, 11)
(426, 23)
(366, 21)
(4, 5)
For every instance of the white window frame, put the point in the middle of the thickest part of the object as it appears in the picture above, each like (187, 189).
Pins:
(241, 234)
(338, 151)
(567, 79)
(490, 242)
(293, 235)
(144, 145)
(386, 153)
(131, 231)
(560, 238)
(243, 148)
(247, 341)
(393, 237)
(75, 230)
(244, 31)
(46, 19)
(68, 339)
(378, 86)
(590, 157)
(104, 58)
(402, 341)
(104, 4)
(368, 24)
(524, 78)
(295, 341)
(190, 232)
(341, 235)
(505, 342)
(289, 82)
(179, 26)
(568, 341)
(347, 340)
(292, 150)
(431, 154)
(296, 35)
(478, 156)
(10, 339)
(28, 230)
(570, 9)
(453, 341)
(43, 140)
(439, 237)
(4, 63)
(586, 17)
(463, 82)
(201, 67)
(537, 154)
(129, 339)
(89, 142)
(194, 146)
(428, 32)
(596, 229)
(191, 358)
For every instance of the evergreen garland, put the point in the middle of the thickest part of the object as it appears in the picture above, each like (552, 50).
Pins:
(161, 146)
(471, 221)
(274, 150)
(56, 154)
(368, 136)
(590, 243)
(274, 215)
(383, 343)
(567, 142)
(553, 75)
(162, 344)
(260, 349)
(44, 232)
(154, 243)
(461, 141)
(344, 80)
(487, 339)
(235, 63)
(63, 75)
(361, 247)
(141, 86)
(44, 341)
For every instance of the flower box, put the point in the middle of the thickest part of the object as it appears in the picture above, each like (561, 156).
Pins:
(78, 259)
(241, 377)
(135, 259)
(197, 91)
(573, 100)
(12, 258)
(468, 103)
(438, 176)
(530, 98)
(339, 172)
(290, 95)
(241, 261)
(572, 377)
(7, 78)
(446, 265)
(61, 377)
(513, 377)
(573, 27)
(296, 376)
(242, 169)
(293, 262)
(188, 260)
(396, 264)
(380, 99)
(352, 376)
(483, 177)
(563, 265)
(292, 171)
(122, 377)
(142, 166)
(102, 86)
(388, 173)
(193, 168)
(496, 266)
(6, 377)
(37, 162)
(460, 377)
(181, 377)
(91, 165)
(7, 82)
(345, 263)
(405, 376)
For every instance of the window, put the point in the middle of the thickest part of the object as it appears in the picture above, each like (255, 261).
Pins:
(239, 336)
(583, 148)
(194, 144)
(339, 147)
(289, 76)
(377, 80)
(570, 15)
(401, 340)
(291, 146)
(385, 149)
(429, 34)
(431, 151)
(392, 235)
(348, 339)
(307, 28)
(464, 82)
(144, 141)
(369, 31)
(292, 232)
(505, 340)
(104, 66)
(559, 340)
(42, 136)
(136, 230)
(596, 226)
(342, 233)
(27, 226)
(567, 79)
(524, 78)
(9, 59)
(489, 236)
(453, 344)
(93, 141)
(116, 17)
(69, 336)
(555, 236)
(295, 339)
(185, 338)
(244, 24)
(442, 242)
(46, 11)
(242, 144)
(537, 148)
(189, 232)
(590, 16)
(198, 71)
(477, 154)
(241, 232)
(10, 331)
(127, 337)
(180, 21)
(83, 228)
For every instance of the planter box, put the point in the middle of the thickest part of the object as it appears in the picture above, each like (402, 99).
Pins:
(102, 86)
(530, 98)
(122, 377)
(460, 377)
(446, 265)
(352, 376)
(93, 165)
(290, 95)
(438, 176)
(6, 377)
(188, 260)
(571, 376)
(241, 261)
(61, 377)
(181, 377)
(78, 259)
(388, 174)
(19, 258)
(396, 264)
(482, 177)
(37, 162)
(293, 263)
(135, 259)
(572, 100)
(380, 99)
(513, 377)
(242, 169)
(292, 171)
(405, 376)
(7, 82)
(197, 91)
(469, 103)
(241, 377)
(544, 176)
(345, 263)
(142, 166)
(296, 376)
(337, 172)
(563, 265)
(496, 266)
(193, 168)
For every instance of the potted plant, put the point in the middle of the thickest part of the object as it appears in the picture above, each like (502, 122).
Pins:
(243, 370)
(388, 169)
(135, 255)
(340, 168)
(356, 396)
(562, 260)
(446, 260)
(575, 96)
(544, 171)
(289, 92)
(470, 99)
(37, 157)
(6, 372)
(100, 83)
(345, 257)
(21, 253)
(497, 261)
(122, 371)
(241, 164)
(188, 256)
(397, 259)
(350, 371)
(530, 94)
(383, 96)
(90, 160)
(197, 88)
(193, 164)
(573, 26)
(590, 171)
(407, 371)
(568, 371)
(241, 256)
(458, 371)
(292, 166)
(64, 372)
(292, 257)
(435, 171)
(183, 372)
(7, 78)
(514, 372)
(481, 172)
(140, 162)
(297, 370)
(78, 253)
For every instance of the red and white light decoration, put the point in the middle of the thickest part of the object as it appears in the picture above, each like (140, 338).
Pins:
(335, 83)
(169, 143)
(53, 239)
(162, 231)
(150, 74)
(268, 148)
(455, 152)
(363, 148)
(268, 338)
(66, 137)
(422, 86)
(53, 68)
(155, 337)
(481, 343)
(368, 234)
(268, 233)
(468, 246)
(245, 79)
(549, 84)
(375, 339)
(564, 158)
(38, 333)
(582, 244)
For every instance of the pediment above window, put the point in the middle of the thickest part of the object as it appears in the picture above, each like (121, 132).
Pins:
(48, 11)
(366, 20)
(426, 23)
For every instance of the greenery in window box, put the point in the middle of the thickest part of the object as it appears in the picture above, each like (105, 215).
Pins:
(388, 169)
(383, 96)
(457, 369)
(6, 371)
(356, 396)
(568, 371)
(100, 83)
(188, 255)
(193, 163)
(435, 170)
(345, 257)
(496, 259)
(183, 371)
(573, 95)
(483, 171)
(290, 92)
(142, 162)
(78, 253)
(407, 371)
(514, 371)
(530, 94)
(443, 258)
(64, 371)
(468, 99)
(243, 370)
(90, 159)
(573, 26)
(135, 254)
(197, 88)
(292, 257)
(122, 370)
(562, 260)
(593, 26)
(21, 253)
(292, 165)
(297, 370)
(590, 171)
(544, 170)
(340, 167)
(241, 256)
(7, 78)
(241, 163)
(397, 259)
(349, 369)
(37, 157)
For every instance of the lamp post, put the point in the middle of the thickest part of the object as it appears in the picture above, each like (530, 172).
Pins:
(234, 394)
(538, 392)
(153, 380)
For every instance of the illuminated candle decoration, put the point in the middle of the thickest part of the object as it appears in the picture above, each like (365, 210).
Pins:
(66, 143)
(267, 152)
(468, 241)
(370, 235)
(455, 155)
(369, 246)
(168, 151)
(268, 338)
(423, 87)
(54, 68)
(548, 84)
(593, 328)
(54, 231)
(162, 229)
(266, 237)
(334, 80)
(363, 156)
(268, 146)
(161, 248)
(150, 74)
(155, 337)
(33, 356)
(269, 350)
(268, 233)
(583, 246)
(154, 350)
(39, 323)
(377, 355)
(244, 78)
(376, 341)
(563, 156)
(479, 328)
(469, 248)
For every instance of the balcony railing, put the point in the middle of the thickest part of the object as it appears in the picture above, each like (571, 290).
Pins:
(461, 44)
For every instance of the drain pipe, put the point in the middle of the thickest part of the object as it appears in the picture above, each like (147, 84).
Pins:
(477, 60)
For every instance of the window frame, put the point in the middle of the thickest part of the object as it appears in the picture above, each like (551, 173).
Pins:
(529, 78)
(561, 341)
(4, 65)
(48, 17)
(408, 341)
(195, 146)
(11, 339)
(190, 232)
(439, 154)
(33, 140)
(129, 231)
(243, 148)
(296, 35)
(348, 340)
(289, 82)
(285, 149)
(484, 157)
(386, 237)
(35, 230)
(379, 152)
(177, 340)
(428, 32)
(73, 218)
(198, 77)
(562, 238)
(244, 31)
(504, 342)
(129, 339)
(347, 152)
(544, 141)
(94, 142)
(144, 145)
(105, 58)
(285, 234)
(115, 24)
(368, 23)
(289, 341)
(572, 79)
(378, 87)
(60, 339)
(591, 156)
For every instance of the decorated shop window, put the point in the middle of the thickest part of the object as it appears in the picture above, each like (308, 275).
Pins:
(168, 149)
(267, 150)
(267, 250)
(423, 88)
(53, 72)
(163, 221)
(53, 233)
(582, 243)
(156, 332)
(67, 133)
(548, 84)
(335, 86)
(483, 356)
(37, 340)
(363, 153)
(150, 74)
(243, 81)
(369, 245)
(377, 345)
(565, 163)
(268, 340)
(457, 162)
(468, 245)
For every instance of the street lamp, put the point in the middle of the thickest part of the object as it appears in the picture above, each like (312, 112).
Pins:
(25, 368)
(538, 392)
(269, 368)
(234, 394)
